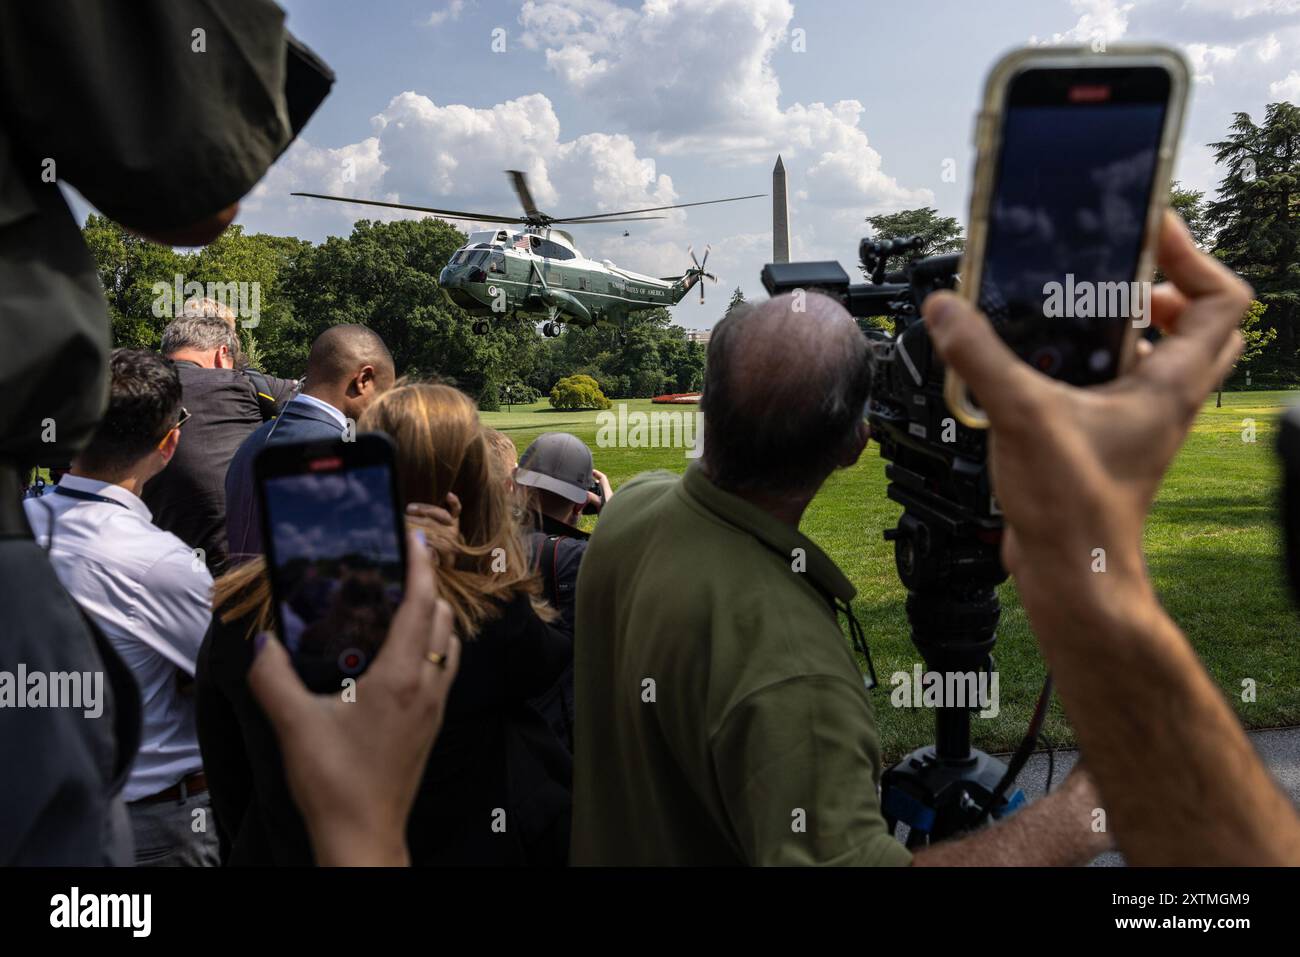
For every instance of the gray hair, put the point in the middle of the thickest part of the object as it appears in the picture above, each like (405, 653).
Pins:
(207, 308)
(784, 392)
(201, 333)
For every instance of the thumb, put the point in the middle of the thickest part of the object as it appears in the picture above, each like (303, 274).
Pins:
(967, 343)
(276, 685)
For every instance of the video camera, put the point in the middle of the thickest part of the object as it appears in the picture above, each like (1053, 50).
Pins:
(947, 540)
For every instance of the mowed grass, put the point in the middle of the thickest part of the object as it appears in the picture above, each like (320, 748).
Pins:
(1213, 548)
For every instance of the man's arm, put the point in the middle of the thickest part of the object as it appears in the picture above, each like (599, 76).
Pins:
(1076, 470)
(1056, 831)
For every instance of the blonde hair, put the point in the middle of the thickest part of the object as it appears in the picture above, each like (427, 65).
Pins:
(441, 448)
(504, 448)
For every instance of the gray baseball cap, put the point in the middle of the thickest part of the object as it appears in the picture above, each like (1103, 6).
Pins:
(557, 462)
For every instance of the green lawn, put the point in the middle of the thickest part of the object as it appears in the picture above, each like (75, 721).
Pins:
(1212, 546)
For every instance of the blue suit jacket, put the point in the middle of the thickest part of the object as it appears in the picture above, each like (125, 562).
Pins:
(299, 422)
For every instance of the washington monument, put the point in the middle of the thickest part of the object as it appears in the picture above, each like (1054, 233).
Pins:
(780, 215)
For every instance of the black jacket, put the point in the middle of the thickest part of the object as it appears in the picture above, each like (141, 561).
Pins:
(188, 497)
(494, 754)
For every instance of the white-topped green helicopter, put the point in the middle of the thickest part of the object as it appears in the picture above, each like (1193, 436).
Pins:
(539, 271)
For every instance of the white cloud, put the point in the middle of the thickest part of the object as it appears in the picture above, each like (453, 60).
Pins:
(1206, 57)
(1268, 48)
(1287, 89)
(451, 11)
(1100, 22)
(454, 157)
(695, 77)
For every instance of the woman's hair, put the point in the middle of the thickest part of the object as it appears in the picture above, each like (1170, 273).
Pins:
(441, 448)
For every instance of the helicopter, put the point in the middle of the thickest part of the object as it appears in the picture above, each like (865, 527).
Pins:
(539, 271)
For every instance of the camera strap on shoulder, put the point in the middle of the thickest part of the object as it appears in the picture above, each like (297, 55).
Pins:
(551, 574)
(262, 389)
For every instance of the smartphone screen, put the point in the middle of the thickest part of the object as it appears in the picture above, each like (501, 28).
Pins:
(1068, 213)
(334, 553)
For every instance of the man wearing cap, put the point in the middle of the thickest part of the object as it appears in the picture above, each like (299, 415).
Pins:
(559, 482)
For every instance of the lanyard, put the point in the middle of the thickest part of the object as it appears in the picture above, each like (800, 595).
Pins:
(86, 496)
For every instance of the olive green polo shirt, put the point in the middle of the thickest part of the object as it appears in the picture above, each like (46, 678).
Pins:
(721, 717)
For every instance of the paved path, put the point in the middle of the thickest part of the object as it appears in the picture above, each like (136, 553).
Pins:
(1280, 749)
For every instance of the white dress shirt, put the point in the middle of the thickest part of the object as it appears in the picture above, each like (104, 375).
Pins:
(335, 414)
(150, 596)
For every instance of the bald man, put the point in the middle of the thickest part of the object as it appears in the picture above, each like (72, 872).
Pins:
(721, 716)
(348, 367)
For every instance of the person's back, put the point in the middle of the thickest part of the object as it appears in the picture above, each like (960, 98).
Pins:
(348, 366)
(188, 499)
(144, 590)
(709, 636)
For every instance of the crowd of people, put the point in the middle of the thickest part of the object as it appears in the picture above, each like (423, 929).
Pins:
(673, 688)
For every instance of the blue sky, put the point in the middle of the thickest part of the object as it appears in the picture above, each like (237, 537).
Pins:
(619, 105)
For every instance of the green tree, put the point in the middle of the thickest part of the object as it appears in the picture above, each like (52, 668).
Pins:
(939, 234)
(1190, 205)
(737, 299)
(578, 392)
(1257, 215)
(128, 268)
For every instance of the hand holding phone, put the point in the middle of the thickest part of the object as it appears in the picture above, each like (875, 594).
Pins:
(335, 551)
(1074, 157)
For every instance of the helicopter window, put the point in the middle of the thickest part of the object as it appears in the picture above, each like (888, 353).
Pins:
(497, 263)
(552, 250)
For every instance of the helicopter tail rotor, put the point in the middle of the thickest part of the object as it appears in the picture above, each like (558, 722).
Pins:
(698, 271)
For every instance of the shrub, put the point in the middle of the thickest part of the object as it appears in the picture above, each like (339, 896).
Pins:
(578, 392)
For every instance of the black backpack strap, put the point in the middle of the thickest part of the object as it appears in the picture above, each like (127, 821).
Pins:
(550, 570)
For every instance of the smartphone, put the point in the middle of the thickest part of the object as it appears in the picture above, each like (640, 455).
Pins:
(335, 551)
(1074, 155)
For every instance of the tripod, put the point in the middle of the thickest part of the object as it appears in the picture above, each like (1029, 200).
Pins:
(950, 567)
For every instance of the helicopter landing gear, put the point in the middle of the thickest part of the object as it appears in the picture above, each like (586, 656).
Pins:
(481, 327)
(551, 330)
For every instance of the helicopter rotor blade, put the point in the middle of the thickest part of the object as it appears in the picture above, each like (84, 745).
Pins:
(520, 183)
(706, 256)
(652, 209)
(690, 251)
(446, 213)
(597, 222)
